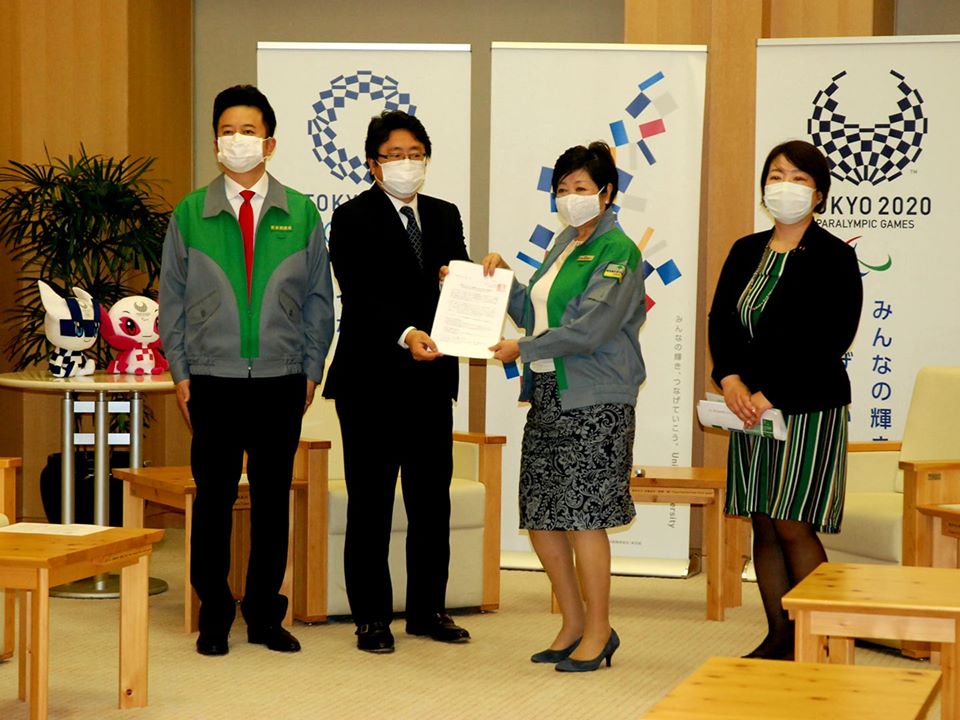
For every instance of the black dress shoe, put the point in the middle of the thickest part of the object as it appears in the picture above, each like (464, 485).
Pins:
(210, 644)
(274, 637)
(375, 637)
(439, 627)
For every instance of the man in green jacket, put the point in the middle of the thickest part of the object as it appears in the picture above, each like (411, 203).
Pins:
(246, 319)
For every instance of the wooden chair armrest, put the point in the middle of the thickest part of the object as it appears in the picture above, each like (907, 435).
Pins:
(10, 462)
(889, 446)
(479, 438)
(311, 444)
(929, 465)
(490, 449)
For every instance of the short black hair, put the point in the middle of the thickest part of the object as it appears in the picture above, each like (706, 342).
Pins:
(244, 95)
(806, 157)
(380, 127)
(596, 159)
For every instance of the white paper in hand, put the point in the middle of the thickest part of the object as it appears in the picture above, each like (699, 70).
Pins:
(716, 414)
(471, 310)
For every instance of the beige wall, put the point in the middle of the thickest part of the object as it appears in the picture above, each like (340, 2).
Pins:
(928, 17)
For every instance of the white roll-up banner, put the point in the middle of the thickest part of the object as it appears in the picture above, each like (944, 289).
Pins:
(647, 103)
(884, 112)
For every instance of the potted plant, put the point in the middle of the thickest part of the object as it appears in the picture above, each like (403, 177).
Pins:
(90, 221)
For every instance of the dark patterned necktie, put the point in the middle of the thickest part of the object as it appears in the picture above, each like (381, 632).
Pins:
(413, 230)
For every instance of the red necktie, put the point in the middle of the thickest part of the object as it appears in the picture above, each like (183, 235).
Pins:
(246, 227)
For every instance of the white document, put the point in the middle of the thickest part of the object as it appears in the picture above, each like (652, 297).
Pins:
(29, 528)
(714, 412)
(471, 310)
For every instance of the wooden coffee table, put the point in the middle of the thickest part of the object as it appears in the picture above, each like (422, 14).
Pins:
(838, 602)
(33, 562)
(743, 689)
(174, 487)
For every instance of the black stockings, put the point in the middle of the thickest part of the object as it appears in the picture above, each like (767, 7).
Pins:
(784, 552)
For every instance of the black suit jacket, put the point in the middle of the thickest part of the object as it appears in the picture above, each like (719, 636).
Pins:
(384, 291)
(796, 354)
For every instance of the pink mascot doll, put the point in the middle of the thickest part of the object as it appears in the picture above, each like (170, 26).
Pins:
(131, 328)
(71, 325)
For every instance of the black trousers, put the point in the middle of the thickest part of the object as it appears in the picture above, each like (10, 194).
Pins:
(410, 432)
(230, 416)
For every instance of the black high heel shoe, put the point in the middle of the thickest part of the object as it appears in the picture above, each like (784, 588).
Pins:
(555, 656)
(571, 665)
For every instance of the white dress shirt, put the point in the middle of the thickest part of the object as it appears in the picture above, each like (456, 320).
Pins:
(233, 189)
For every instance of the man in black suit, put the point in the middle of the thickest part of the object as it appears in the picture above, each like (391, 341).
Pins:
(393, 389)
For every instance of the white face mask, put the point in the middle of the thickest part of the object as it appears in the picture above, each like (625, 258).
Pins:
(239, 153)
(577, 210)
(788, 202)
(403, 178)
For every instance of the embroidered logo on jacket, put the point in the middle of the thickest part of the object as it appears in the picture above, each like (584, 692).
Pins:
(615, 271)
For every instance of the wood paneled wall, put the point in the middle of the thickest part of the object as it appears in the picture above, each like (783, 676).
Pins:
(730, 29)
(115, 75)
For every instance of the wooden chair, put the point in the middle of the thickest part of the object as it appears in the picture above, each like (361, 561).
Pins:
(8, 514)
(930, 460)
(320, 511)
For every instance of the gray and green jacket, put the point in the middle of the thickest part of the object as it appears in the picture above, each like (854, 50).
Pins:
(207, 324)
(595, 309)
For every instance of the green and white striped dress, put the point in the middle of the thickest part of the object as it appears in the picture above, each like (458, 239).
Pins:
(800, 478)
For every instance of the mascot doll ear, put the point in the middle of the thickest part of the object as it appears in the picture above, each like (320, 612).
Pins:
(84, 295)
(109, 333)
(52, 303)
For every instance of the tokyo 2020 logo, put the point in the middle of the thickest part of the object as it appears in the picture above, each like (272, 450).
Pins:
(861, 153)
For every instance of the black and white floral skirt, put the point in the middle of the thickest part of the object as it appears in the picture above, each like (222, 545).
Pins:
(575, 465)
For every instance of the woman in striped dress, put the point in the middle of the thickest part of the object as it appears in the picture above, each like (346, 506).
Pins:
(784, 313)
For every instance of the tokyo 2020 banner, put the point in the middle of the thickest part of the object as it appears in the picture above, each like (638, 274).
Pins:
(646, 102)
(324, 95)
(884, 112)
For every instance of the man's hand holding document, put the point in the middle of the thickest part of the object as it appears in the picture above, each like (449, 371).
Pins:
(471, 310)
(713, 412)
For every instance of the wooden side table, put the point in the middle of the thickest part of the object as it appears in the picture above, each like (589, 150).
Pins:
(938, 529)
(706, 487)
(739, 688)
(838, 602)
(34, 562)
(8, 506)
(174, 487)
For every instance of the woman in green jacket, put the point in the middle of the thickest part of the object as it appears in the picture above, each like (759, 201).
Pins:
(582, 311)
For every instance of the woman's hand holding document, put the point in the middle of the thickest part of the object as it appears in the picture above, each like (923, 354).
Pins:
(471, 310)
(713, 412)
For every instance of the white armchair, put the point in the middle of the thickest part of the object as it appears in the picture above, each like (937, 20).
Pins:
(887, 481)
(872, 528)
(320, 590)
